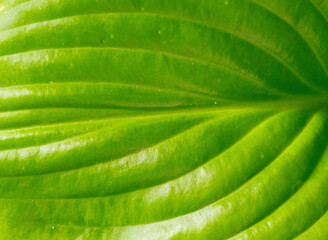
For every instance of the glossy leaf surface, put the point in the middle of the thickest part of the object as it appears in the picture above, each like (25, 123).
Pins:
(150, 119)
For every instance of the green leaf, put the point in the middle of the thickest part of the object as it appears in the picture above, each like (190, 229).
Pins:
(151, 119)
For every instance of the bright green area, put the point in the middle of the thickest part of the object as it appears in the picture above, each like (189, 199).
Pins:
(162, 120)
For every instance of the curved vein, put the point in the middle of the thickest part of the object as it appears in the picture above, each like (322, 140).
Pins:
(299, 33)
(254, 79)
(180, 18)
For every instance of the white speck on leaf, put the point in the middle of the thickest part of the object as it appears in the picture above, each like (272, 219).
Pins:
(99, 167)
(53, 227)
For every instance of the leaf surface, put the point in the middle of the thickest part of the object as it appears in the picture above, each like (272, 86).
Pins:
(163, 120)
